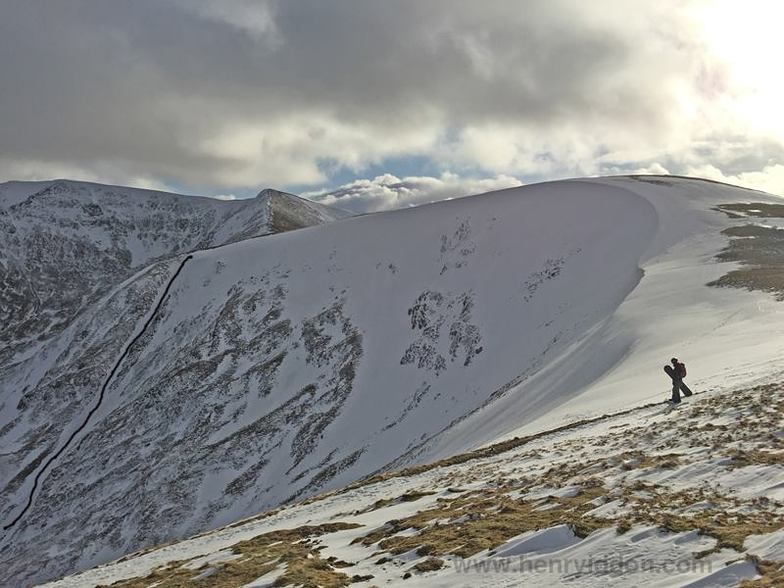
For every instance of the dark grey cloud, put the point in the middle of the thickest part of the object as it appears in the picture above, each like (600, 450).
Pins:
(241, 93)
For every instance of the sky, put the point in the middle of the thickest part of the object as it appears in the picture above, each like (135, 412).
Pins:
(379, 104)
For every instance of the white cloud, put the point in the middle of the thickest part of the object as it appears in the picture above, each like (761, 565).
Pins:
(255, 18)
(656, 169)
(769, 179)
(387, 191)
(31, 170)
(240, 94)
(293, 149)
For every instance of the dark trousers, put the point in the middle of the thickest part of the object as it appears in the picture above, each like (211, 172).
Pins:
(679, 386)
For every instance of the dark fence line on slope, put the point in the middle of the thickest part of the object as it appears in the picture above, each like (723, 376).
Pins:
(101, 394)
(105, 386)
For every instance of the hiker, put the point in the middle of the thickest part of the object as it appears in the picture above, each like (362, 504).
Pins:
(677, 371)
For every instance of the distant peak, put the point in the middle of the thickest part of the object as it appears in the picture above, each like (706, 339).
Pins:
(272, 193)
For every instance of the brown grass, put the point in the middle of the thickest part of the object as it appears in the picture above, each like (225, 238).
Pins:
(260, 555)
(765, 210)
(729, 528)
(488, 519)
(772, 574)
(763, 254)
(431, 564)
(385, 502)
(741, 459)
(639, 460)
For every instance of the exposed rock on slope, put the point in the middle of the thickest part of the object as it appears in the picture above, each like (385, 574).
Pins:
(81, 265)
(280, 367)
(64, 244)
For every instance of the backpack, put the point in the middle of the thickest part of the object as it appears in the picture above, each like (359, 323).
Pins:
(681, 369)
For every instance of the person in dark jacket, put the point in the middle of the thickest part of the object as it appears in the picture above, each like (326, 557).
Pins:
(677, 372)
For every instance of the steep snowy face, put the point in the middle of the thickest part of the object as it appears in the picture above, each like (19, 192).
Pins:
(64, 244)
(212, 386)
(287, 211)
(276, 368)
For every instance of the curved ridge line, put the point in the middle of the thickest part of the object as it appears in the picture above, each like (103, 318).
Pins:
(104, 387)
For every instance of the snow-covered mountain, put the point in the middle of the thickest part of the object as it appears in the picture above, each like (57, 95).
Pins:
(231, 375)
(64, 244)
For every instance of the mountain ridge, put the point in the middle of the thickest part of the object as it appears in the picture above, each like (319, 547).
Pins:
(464, 331)
(69, 242)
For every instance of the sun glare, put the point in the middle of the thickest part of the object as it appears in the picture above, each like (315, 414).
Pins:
(747, 38)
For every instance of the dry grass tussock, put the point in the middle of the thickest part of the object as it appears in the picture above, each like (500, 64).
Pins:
(291, 549)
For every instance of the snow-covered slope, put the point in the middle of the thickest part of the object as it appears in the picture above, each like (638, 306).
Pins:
(63, 244)
(725, 335)
(650, 497)
(213, 386)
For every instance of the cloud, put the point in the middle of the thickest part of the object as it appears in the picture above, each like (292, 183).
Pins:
(769, 179)
(33, 170)
(256, 18)
(235, 95)
(387, 191)
(225, 197)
